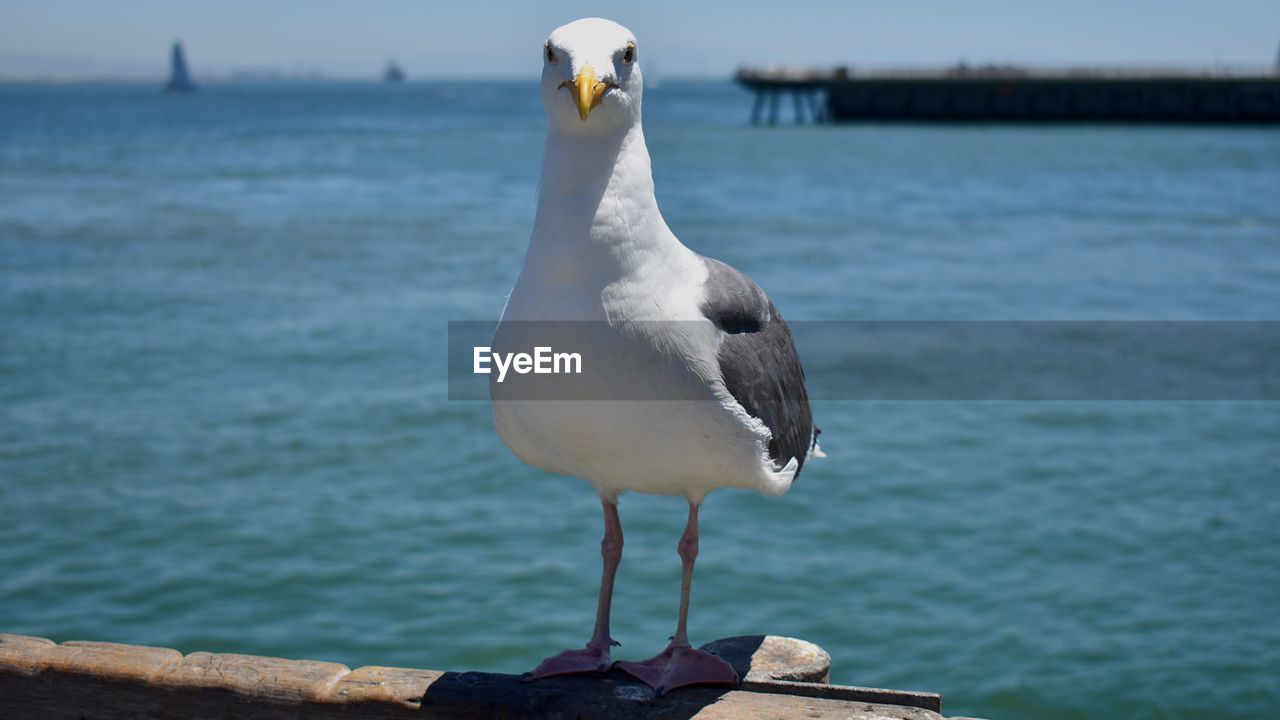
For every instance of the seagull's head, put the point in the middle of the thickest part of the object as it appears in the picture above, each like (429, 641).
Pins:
(591, 77)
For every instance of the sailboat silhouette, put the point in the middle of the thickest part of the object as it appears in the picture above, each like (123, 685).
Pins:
(179, 78)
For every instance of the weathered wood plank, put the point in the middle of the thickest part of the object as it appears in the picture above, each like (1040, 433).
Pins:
(41, 680)
(23, 655)
(398, 687)
(923, 700)
(273, 680)
(125, 663)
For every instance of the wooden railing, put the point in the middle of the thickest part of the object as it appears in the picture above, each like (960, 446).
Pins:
(782, 678)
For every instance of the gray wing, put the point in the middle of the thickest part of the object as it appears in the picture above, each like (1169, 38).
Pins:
(758, 361)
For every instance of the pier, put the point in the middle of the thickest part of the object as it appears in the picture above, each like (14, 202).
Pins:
(782, 678)
(1013, 94)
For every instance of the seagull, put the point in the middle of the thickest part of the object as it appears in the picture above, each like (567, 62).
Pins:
(699, 385)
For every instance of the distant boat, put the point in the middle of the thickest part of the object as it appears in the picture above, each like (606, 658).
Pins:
(179, 78)
(393, 74)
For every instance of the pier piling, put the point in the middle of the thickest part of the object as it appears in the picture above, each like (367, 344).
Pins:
(1012, 94)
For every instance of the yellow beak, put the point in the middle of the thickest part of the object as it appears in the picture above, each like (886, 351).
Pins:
(588, 91)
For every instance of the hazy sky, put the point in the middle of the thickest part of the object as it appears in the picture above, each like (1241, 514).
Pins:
(348, 38)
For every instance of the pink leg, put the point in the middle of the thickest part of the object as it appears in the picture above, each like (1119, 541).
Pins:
(595, 656)
(680, 664)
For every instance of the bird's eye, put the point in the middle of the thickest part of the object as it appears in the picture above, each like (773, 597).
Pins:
(629, 55)
(551, 54)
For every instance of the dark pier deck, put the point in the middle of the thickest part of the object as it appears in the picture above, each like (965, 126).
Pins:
(1013, 94)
